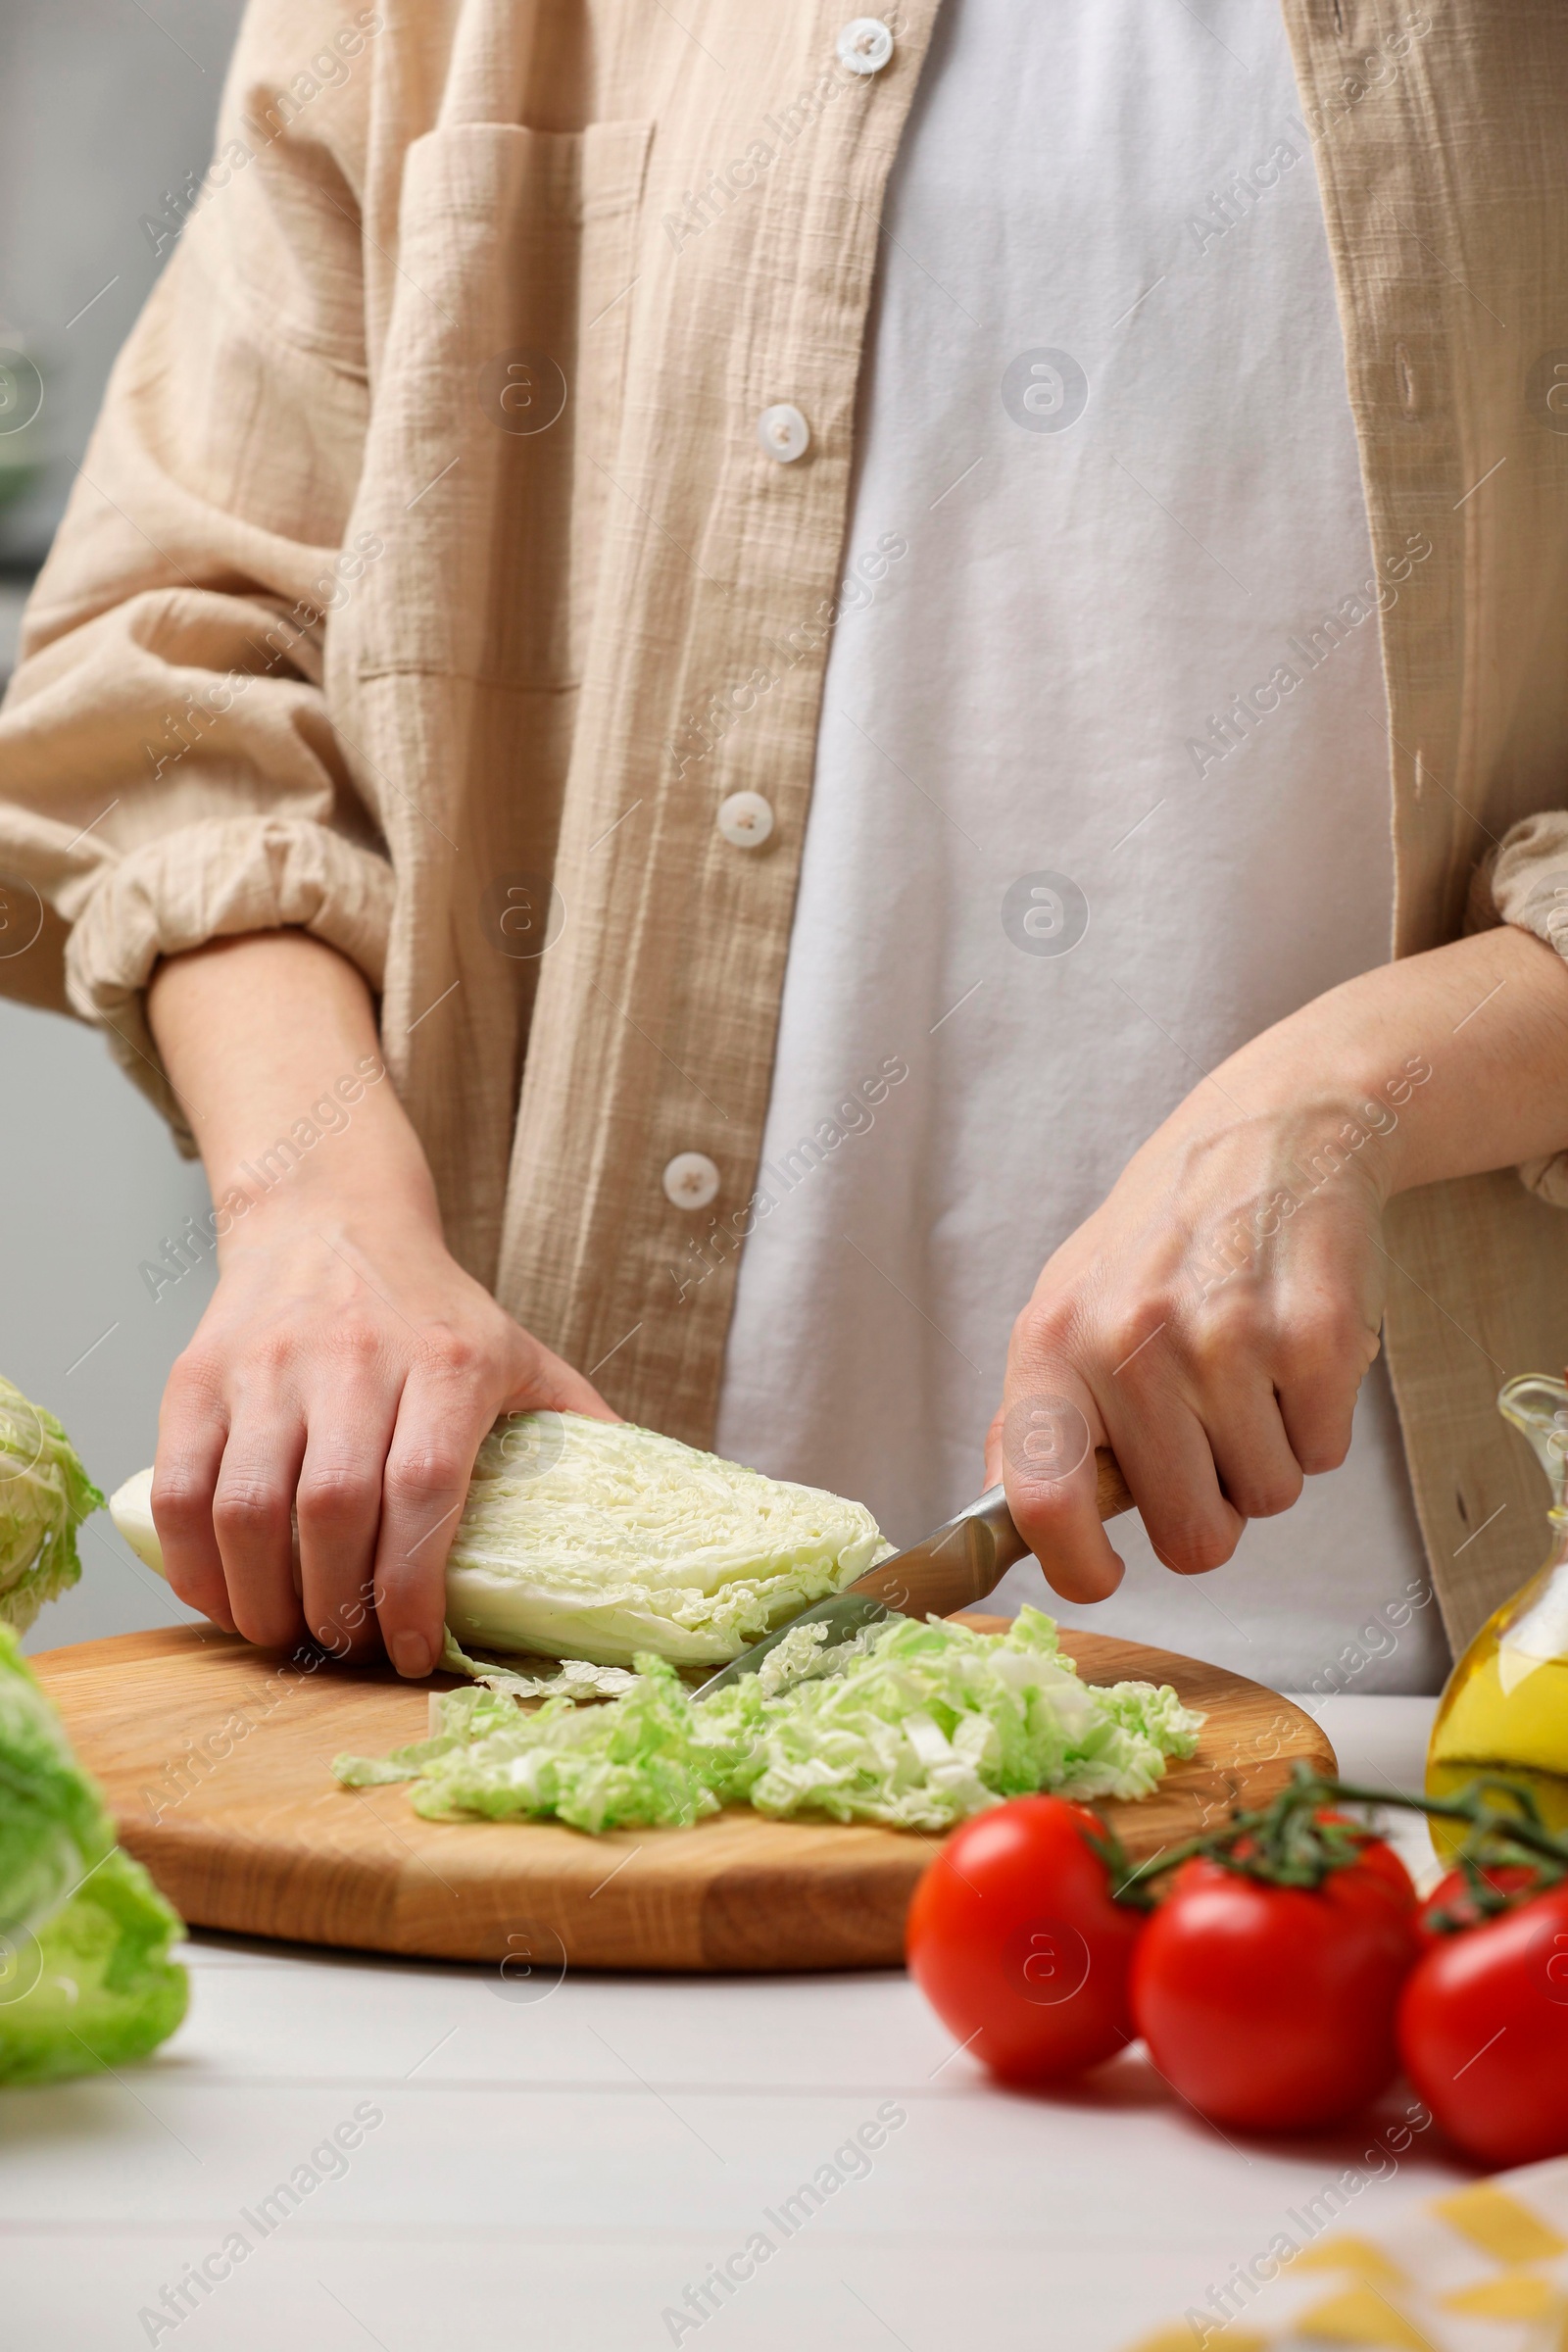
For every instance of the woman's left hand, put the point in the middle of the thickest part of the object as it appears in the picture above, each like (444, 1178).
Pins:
(1210, 1323)
(1213, 1319)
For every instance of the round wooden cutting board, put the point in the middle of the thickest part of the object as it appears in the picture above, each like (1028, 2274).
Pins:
(216, 1759)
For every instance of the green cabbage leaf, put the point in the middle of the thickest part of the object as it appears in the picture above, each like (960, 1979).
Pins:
(87, 1977)
(97, 1987)
(913, 1726)
(45, 1494)
(54, 1827)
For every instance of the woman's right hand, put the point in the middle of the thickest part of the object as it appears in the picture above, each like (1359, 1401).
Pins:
(347, 1367)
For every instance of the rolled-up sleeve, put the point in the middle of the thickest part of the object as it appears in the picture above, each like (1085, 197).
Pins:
(1524, 881)
(169, 773)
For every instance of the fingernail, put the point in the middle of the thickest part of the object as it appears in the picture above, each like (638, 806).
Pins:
(410, 1655)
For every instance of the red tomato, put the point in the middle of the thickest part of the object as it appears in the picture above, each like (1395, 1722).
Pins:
(1272, 2008)
(1384, 1864)
(1379, 1859)
(1451, 1899)
(1484, 2034)
(1018, 1943)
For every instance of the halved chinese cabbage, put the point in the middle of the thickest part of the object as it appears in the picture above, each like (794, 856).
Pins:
(598, 1540)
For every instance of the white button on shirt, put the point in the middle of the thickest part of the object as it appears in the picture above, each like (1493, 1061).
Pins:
(784, 432)
(691, 1180)
(746, 819)
(865, 45)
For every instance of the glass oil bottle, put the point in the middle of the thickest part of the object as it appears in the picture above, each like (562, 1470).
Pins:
(1505, 1707)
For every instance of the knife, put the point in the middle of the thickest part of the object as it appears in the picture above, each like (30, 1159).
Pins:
(957, 1564)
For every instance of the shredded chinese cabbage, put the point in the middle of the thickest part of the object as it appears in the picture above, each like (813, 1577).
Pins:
(914, 1726)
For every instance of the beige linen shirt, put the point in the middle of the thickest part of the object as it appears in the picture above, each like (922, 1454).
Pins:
(427, 585)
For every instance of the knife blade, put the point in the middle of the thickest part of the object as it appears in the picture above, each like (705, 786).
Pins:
(958, 1563)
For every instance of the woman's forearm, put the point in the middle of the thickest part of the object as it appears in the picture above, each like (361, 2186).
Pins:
(1451, 1062)
(271, 1043)
(347, 1367)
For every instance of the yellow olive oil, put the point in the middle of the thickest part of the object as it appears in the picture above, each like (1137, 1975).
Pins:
(1505, 1707)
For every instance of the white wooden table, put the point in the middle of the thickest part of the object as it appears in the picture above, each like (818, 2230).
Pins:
(555, 2164)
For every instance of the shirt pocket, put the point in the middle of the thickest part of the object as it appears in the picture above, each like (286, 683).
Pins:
(496, 408)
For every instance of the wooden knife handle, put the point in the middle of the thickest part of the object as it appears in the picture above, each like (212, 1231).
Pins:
(968, 1556)
(1111, 1492)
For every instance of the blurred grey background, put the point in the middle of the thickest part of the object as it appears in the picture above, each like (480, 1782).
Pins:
(104, 106)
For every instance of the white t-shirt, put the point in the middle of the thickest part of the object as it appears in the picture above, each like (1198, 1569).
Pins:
(1055, 871)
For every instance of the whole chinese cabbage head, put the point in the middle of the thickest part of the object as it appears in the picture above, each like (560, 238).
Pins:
(87, 1977)
(54, 1827)
(45, 1494)
(598, 1540)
